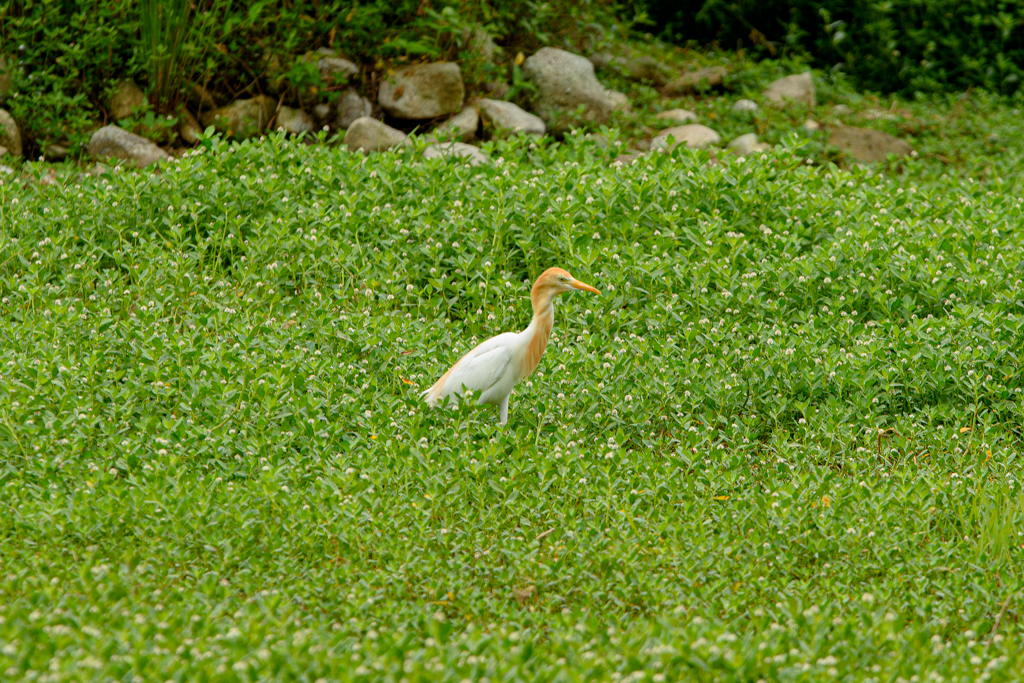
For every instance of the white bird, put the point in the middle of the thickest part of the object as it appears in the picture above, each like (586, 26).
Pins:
(491, 369)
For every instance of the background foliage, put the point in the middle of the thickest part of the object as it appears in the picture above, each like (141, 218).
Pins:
(897, 45)
(69, 52)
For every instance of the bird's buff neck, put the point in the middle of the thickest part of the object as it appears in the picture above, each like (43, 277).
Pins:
(539, 330)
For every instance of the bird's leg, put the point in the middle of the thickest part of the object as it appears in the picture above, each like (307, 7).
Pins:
(503, 410)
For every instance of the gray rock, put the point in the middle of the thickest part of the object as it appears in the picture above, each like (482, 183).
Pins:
(497, 91)
(10, 136)
(795, 88)
(811, 126)
(351, 106)
(745, 106)
(564, 82)
(371, 135)
(295, 120)
(322, 112)
(678, 115)
(423, 91)
(188, 127)
(619, 100)
(480, 42)
(127, 97)
(602, 60)
(747, 144)
(5, 75)
(878, 115)
(646, 70)
(841, 110)
(701, 79)
(111, 141)
(504, 119)
(867, 144)
(454, 149)
(462, 126)
(242, 118)
(333, 69)
(693, 135)
(55, 153)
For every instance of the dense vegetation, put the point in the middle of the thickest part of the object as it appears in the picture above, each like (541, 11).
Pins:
(783, 443)
(66, 56)
(903, 46)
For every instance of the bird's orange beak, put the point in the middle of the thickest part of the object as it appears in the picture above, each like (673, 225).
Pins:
(584, 286)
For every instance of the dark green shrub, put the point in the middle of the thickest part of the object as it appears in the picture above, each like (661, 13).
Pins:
(67, 52)
(893, 46)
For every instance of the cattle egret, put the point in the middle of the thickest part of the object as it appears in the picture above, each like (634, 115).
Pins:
(491, 369)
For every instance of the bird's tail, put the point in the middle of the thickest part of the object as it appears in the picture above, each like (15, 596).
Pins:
(435, 393)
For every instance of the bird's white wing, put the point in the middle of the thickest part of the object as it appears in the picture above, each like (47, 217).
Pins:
(482, 367)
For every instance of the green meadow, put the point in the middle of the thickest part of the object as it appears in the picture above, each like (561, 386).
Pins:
(783, 444)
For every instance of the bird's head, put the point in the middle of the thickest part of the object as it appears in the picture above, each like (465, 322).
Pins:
(555, 281)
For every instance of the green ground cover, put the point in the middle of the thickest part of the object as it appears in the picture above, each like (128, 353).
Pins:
(782, 444)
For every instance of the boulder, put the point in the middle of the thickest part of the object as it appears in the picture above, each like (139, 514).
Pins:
(454, 149)
(678, 115)
(747, 144)
(693, 135)
(462, 126)
(322, 113)
(295, 120)
(497, 90)
(795, 88)
(480, 42)
(745, 106)
(10, 136)
(423, 91)
(333, 68)
(371, 135)
(646, 70)
(242, 118)
(619, 100)
(565, 81)
(878, 115)
(112, 141)
(841, 110)
(503, 119)
(56, 152)
(701, 79)
(867, 144)
(603, 59)
(126, 98)
(351, 106)
(188, 127)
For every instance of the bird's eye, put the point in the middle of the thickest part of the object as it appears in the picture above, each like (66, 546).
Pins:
(563, 279)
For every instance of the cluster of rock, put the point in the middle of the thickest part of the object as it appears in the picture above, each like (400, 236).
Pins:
(430, 99)
(567, 94)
